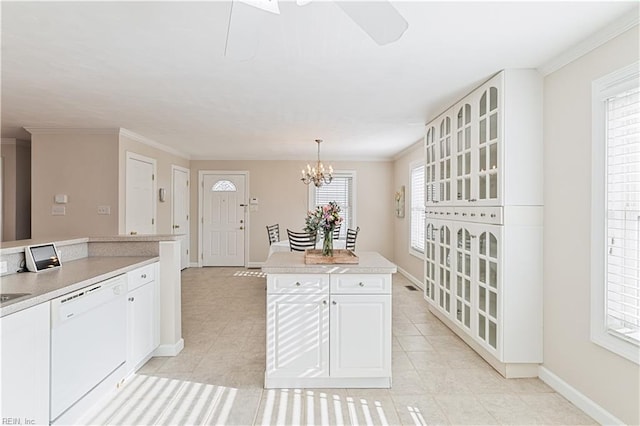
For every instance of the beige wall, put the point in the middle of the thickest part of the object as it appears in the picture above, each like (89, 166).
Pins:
(402, 226)
(164, 161)
(83, 166)
(608, 379)
(283, 199)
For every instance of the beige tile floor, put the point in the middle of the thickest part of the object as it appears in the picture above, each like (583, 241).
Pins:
(218, 377)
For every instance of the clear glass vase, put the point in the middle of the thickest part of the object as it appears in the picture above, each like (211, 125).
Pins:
(327, 244)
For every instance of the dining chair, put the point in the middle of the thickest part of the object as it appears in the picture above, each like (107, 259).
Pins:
(273, 231)
(352, 234)
(300, 241)
(336, 232)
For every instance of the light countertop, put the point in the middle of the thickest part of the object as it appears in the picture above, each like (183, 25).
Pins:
(293, 262)
(74, 275)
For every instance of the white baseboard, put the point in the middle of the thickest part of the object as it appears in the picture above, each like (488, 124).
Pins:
(411, 278)
(169, 349)
(577, 398)
(194, 265)
(255, 265)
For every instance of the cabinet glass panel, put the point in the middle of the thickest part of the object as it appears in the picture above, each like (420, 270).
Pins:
(488, 144)
(463, 277)
(487, 286)
(463, 153)
(444, 158)
(430, 164)
(444, 268)
(430, 262)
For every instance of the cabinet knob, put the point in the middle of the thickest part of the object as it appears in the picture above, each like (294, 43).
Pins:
(334, 303)
(473, 214)
(131, 299)
(482, 215)
(143, 276)
(298, 284)
(493, 215)
(176, 226)
(473, 200)
(324, 302)
(361, 284)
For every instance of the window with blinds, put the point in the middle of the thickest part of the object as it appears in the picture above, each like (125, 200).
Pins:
(615, 212)
(623, 214)
(341, 191)
(417, 208)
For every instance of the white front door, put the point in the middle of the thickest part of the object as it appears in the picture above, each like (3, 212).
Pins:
(180, 210)
(223, 219)
(140, 207)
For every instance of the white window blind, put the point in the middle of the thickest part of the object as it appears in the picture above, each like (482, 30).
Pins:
(623, 215)
(339, 190)
(417, 208)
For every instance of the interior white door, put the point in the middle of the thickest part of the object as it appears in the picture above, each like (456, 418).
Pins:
(180, 211)
(223, 219)
(140, 207)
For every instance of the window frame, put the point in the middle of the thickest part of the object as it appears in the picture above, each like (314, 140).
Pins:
(415, 251)
(602, 89)
(339, 173)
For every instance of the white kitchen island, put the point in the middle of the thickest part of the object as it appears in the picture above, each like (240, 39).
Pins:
(328, 326)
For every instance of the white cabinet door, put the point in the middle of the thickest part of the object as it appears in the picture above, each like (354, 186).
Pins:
(360, 343)
(141, 320)
(297, 335)
(24, 360)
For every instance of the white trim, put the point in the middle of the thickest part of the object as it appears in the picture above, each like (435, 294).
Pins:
(614, 29)
(132, 155)
(414, 164)
(577, 398)
(603, 88)
(411, 278)
(175, 167)
(194, 265)
(169, 349)
(417, 144)
(201, 174)
(255, 265)
(139, 138)
(72, 131)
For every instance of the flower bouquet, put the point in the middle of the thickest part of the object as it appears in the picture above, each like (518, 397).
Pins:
(325, 218)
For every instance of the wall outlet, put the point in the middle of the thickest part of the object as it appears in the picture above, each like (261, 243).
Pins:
(58, 210)
(104, 209)
(3, 267)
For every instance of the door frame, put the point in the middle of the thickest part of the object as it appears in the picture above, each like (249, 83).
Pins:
(175, 167)
(201, 174)
(130, 155)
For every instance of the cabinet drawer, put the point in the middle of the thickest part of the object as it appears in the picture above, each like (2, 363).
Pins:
(361, 283)
(297, 283)
(141, 276)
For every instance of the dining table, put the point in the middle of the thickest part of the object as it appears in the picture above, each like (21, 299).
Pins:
(283, 245)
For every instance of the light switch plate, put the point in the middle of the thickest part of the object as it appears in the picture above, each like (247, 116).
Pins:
(104, 209)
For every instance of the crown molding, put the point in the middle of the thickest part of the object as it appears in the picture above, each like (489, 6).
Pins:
(407, 150)
(70, 130)
(597, 39)
(139, 138)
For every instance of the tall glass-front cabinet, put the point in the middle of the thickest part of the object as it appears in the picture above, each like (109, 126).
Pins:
(483, 230)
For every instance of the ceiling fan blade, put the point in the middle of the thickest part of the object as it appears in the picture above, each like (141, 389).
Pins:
(379, 19)
(243, 32)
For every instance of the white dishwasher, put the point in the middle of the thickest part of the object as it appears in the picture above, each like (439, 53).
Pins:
(88, 340)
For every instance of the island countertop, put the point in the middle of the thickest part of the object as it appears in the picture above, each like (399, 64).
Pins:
(293, 262)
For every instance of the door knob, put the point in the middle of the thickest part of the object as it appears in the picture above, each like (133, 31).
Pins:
(133, 233)
(242, 227)
(176, 226)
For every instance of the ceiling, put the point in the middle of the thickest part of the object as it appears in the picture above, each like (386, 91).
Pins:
(158, 69)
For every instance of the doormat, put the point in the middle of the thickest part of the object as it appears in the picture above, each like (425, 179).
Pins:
(411, 288)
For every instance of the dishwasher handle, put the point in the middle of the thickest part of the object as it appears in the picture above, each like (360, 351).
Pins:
(73, 305)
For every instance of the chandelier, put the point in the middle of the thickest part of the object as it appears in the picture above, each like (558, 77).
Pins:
(317, 174)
